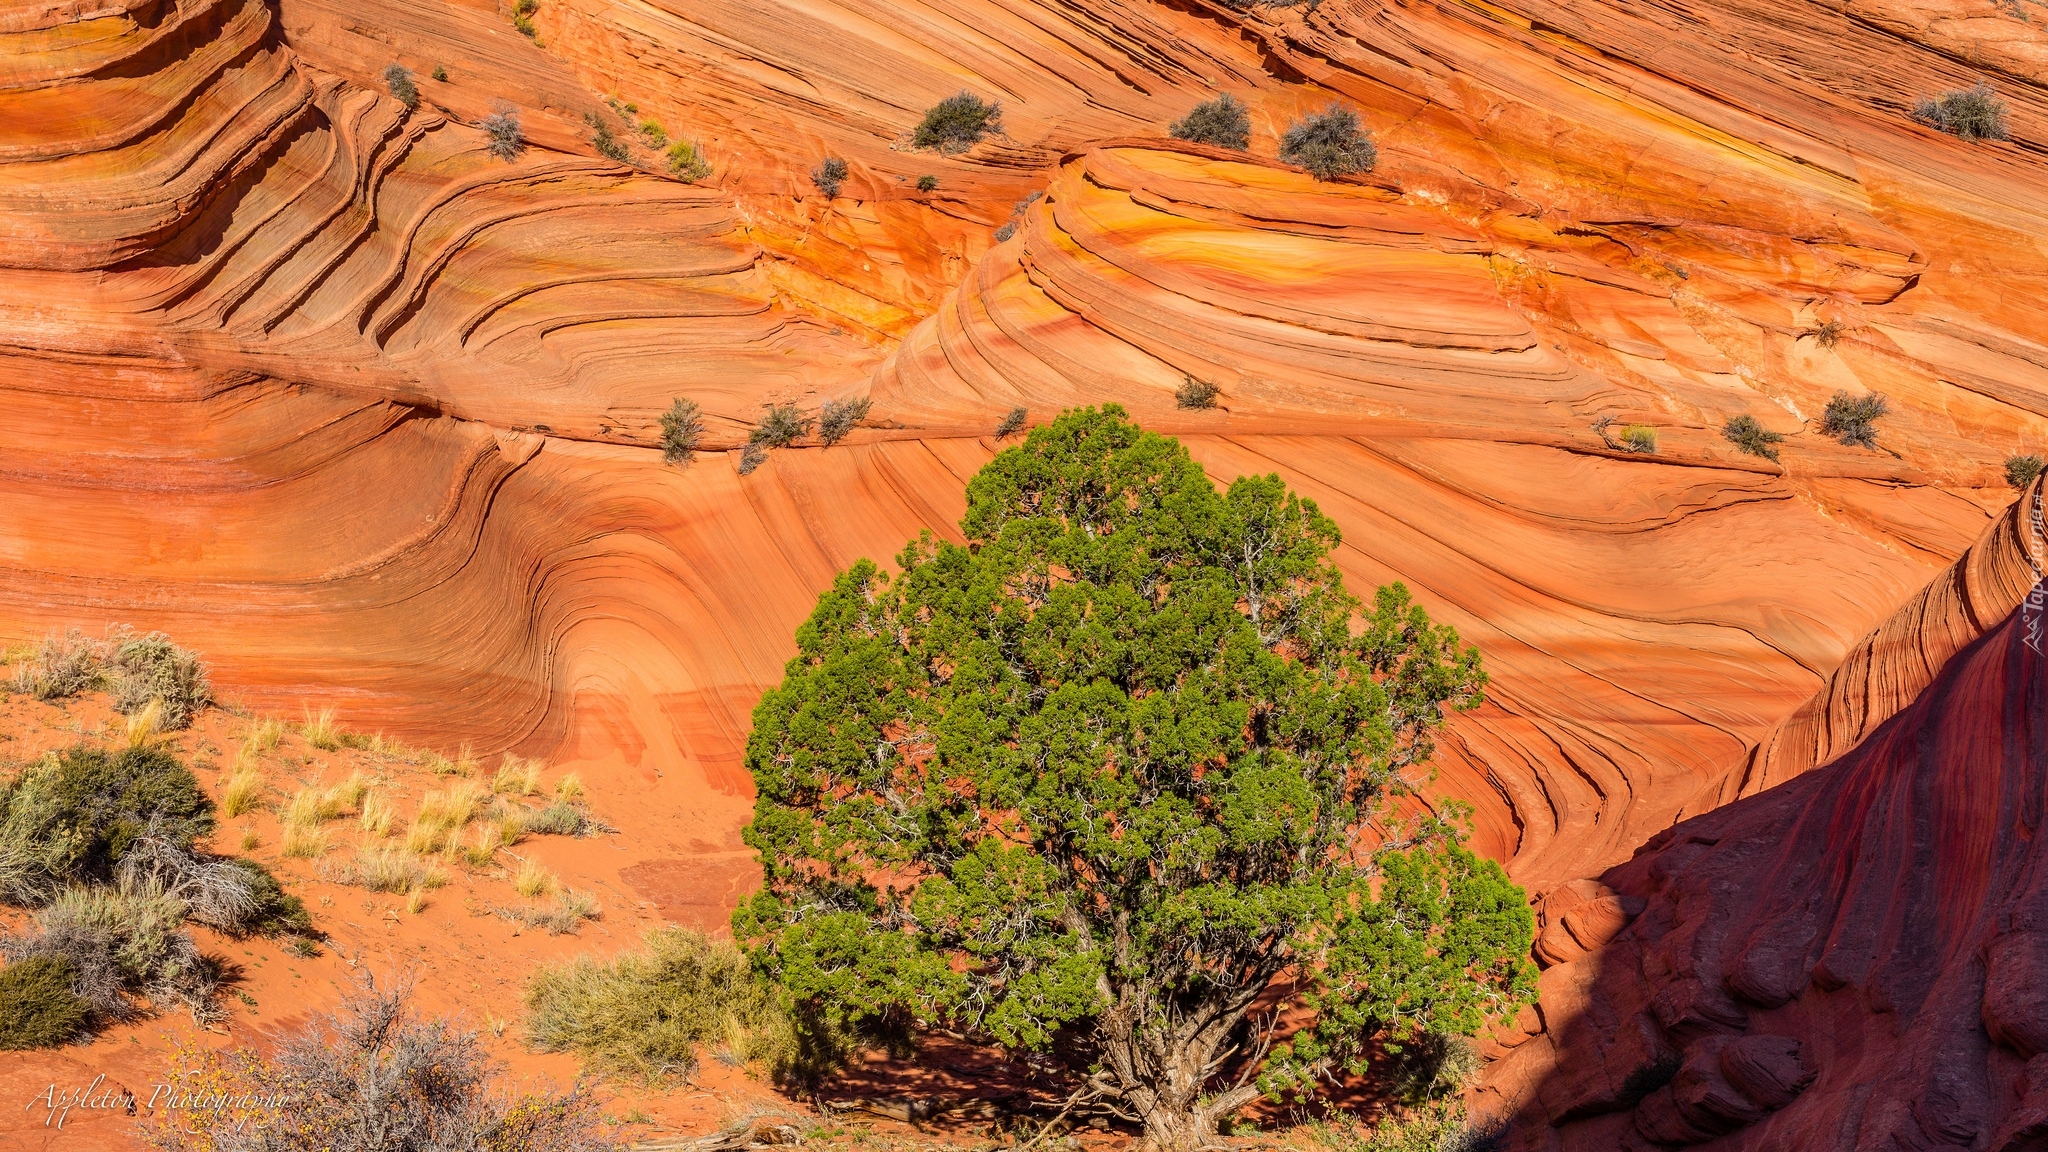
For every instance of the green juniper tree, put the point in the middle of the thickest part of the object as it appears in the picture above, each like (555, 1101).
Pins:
(1109, 774)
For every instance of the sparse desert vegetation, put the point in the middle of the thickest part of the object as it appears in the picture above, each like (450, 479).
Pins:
(838, 417)
(829, 175)
(1853, 419)
(1329, 144)
(398, 78)
(1223, 121)
(957, 123)
(2021, 470)
(505, 138)
(1196, 394)
(682, 426)
(1971, 113)
(1746, 433)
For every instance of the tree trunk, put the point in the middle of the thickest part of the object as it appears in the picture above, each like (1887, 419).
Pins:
(1162, 1071)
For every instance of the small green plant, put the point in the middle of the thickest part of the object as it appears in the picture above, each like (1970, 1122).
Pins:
(1971, 113)
(398, 78)
(648, 1013)
(501, 127)
(2021, 470)
(1853, 419)
(957, 123)
(1639, 438)
(838, 417)
(1195, 393)
(1329, 144)
(781, 426)
(829, 175)
(1747, 434)
(440, 74)
(522, 16)
(654, 134)
(1012, 423)
(927, 183)
(607, 145)
(686, 162)
(1830, 332)
(38, 1009)
(681, 427)
(1224, 122)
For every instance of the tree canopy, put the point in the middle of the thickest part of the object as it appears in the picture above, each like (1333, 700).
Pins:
(1112, 770)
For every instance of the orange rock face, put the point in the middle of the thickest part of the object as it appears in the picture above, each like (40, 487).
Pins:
(323, 387)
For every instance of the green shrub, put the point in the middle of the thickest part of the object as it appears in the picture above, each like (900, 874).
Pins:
(654, 134)
(522, 17)
(150, 667)
(927, 183)
(957, 123)
(1853, 419)
(440, 74)
(70, 818)
(2021, 470)
(1224, 121)
(1747, 434)
(686, 162)
(1329, 144)
(1639, 438)
(648, 1013)
(502, 128)
(1971, 113)
(681, 427)
(1195, 393)
(398, 78)
(37, 1006)
(238, 897)
(829, 175)
(781, 426)
(838, 417)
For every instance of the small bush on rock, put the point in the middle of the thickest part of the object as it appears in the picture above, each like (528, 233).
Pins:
(1012, 423)
(1224, 122)
(1971, 113)
(957, 123)
(1329, 144)
(398, 78)
(507, 139)
(2021, 470)
(681, 427)
(838, 417)
(1853, 419)
(1639, 438)
(927, 183)
(1747, 434)
(685, 162)
(781, 426)
(829, 175)
(1195, 393)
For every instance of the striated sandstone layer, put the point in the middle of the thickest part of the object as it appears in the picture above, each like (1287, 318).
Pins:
(1851, 959)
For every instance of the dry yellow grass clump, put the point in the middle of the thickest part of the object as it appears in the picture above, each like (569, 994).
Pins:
(533, 880)
(518, 777)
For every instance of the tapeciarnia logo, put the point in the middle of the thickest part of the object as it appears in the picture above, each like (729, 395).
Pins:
(2036, 604)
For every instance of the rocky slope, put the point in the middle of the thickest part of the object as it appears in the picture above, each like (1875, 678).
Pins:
(1882, 989)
